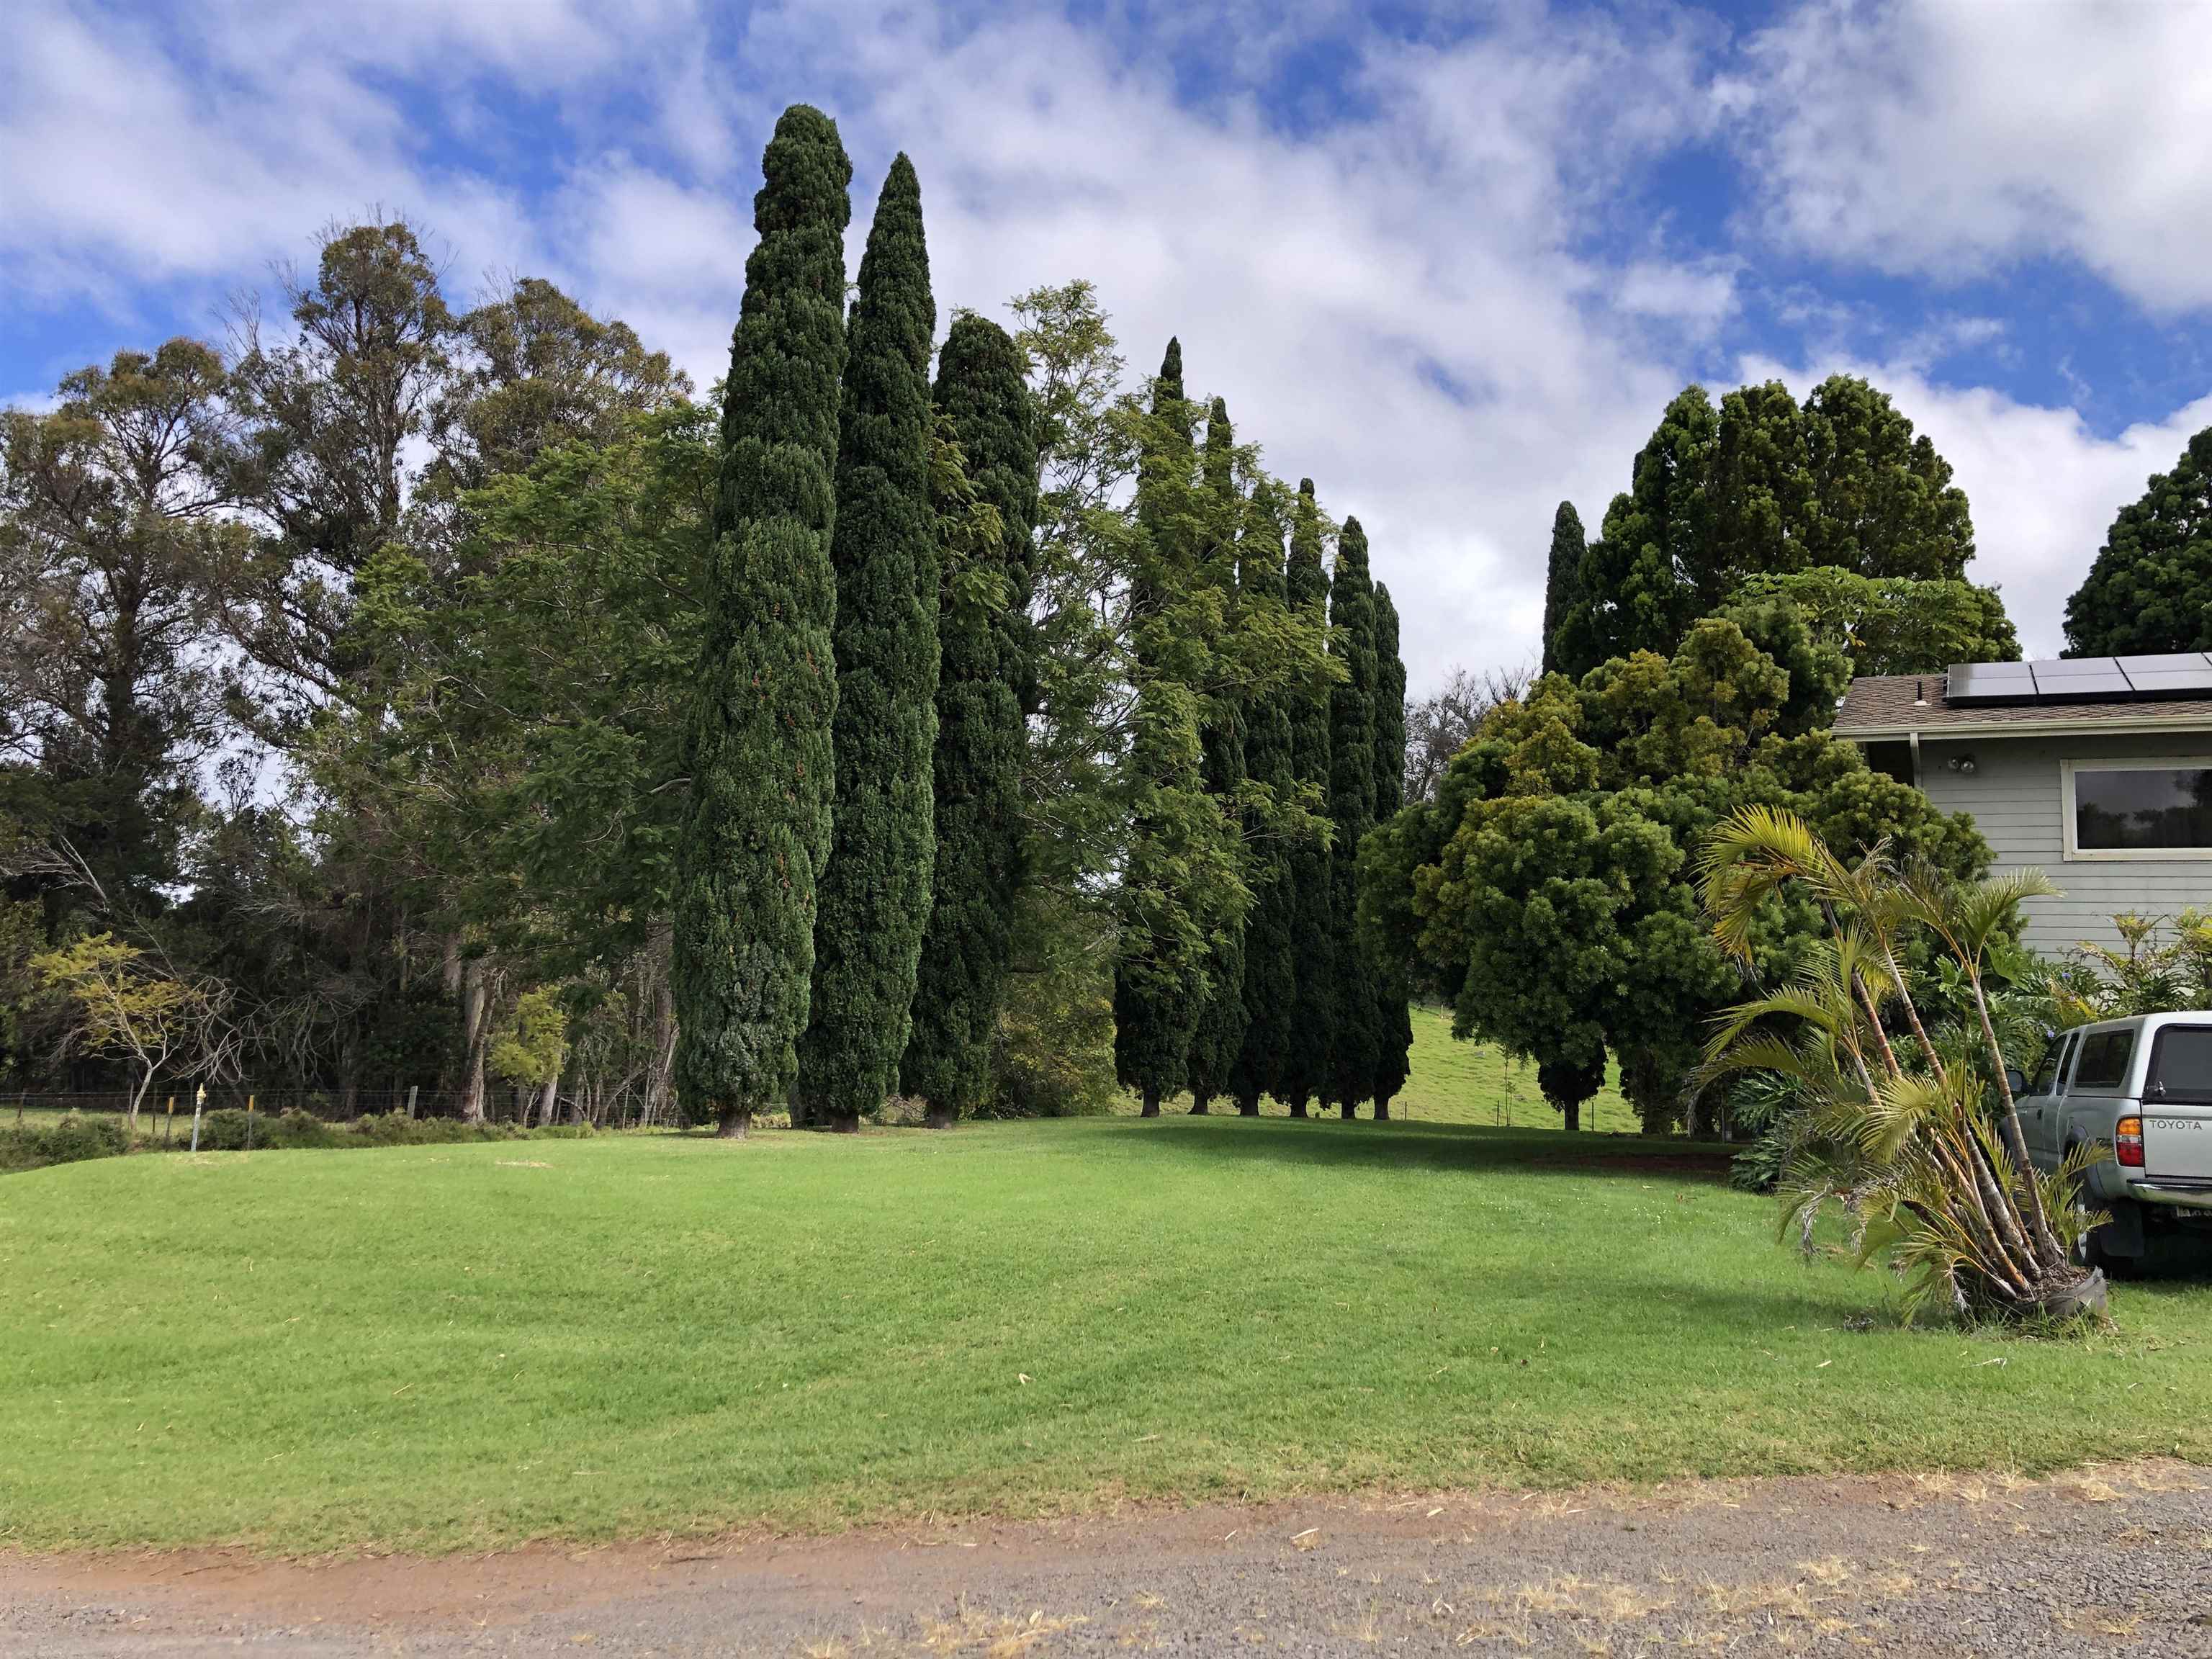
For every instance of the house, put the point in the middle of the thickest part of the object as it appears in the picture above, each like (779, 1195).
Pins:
(2097, 770)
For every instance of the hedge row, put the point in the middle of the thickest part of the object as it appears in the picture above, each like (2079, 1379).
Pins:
(74, 1138)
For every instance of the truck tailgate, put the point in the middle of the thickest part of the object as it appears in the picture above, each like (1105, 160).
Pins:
(2177, 1143)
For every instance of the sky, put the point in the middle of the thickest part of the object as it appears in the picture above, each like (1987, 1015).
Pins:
(1451, 261)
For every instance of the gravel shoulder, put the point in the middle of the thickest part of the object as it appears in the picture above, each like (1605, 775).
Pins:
(2111, 1560)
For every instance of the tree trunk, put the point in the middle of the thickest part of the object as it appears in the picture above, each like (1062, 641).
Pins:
(1152, 1106)
(737, 1121)
(1381, 1110)
(1350, 1108)
(477, 1030)
(1247, 1105)
(934, 1116)
(842, 1123)
(1572, 1113)
(1298, 1106)
(549, 1101)
(664, 1028)
(1197, 1106)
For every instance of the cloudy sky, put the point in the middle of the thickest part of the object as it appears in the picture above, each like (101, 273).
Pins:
(1449, 261)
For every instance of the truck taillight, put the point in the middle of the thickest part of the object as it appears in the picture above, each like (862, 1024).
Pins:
(2127, 1142)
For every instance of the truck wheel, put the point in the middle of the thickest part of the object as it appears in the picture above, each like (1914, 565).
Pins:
(2118, 1245)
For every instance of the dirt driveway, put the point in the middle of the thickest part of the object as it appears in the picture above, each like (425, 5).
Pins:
(2111, 1560)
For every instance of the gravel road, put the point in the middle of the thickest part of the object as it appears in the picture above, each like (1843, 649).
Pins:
(2117, 1560)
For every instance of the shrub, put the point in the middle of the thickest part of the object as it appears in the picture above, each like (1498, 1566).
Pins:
(70, 1139)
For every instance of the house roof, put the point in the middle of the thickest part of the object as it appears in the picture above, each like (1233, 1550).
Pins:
(1899, 705)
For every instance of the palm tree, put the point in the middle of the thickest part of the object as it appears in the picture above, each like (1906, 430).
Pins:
(1908, 1146)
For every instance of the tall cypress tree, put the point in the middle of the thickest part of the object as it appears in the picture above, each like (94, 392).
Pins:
(1271, 962)
(979, 733)
(1563, 575)
(1157, 972)
(757, 827)
(1302, 1067)
(1219, 1037)
(875, 895)
(1394, 1027)
(1355, 1045)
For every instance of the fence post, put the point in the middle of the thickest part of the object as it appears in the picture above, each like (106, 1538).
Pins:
(249, 1123)
(411, 1102)
(198, 1100)
(169, 1122)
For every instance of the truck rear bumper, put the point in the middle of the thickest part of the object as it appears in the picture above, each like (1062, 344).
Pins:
(2186, 1198)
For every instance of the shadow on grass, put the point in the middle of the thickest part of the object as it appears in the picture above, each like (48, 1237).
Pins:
(1438, 1146)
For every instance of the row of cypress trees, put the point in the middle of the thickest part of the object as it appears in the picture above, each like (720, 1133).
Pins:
(1285, 998)
(852, 847)
(855, 745)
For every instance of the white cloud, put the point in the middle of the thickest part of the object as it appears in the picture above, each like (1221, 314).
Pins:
(1950, 138)
(1400, 303)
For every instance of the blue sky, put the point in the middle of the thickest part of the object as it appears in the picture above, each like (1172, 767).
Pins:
(1451, 261)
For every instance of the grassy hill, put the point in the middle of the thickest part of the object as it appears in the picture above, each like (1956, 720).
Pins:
(450, 1346)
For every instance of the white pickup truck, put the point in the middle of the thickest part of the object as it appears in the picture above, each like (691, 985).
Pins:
(2143, 1087)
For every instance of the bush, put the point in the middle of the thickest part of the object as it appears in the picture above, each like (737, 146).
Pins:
(70, 1139)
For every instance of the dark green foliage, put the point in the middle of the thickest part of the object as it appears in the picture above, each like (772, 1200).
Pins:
(1219, 1037)
(1550, 889)
(70, 1139)
(1159, 971)
(1888, 624)
(1761, 485)
(1393, 1023)
(1355, 1048)
(757, 827)
(1566, 1083)
(1271, 946)
(976, 767)
(2150, 590)
(1562, 574)
(1302, 1069)
(874, 897)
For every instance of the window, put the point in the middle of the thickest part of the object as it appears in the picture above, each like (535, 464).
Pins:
(2104, 1063)
(2046, 1075)
(2138, 809)
(2181, 1065)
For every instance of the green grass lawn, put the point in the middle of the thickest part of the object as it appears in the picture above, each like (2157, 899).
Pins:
(447, 1346)
(1454, 1081)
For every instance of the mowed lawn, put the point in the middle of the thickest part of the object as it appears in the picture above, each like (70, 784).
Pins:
(449, 1346)
(1454, 1081)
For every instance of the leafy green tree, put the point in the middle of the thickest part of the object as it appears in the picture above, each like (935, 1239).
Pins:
(1356, 1041)
(1304, 1068)
(2150, 590)
(1890, 625)
(873, 899)
(1271, 963)
(1550, 890)
(1159, 974)
(1219, 1037)
(1394, 1023)
(986, 645)
(757, 827)
(1762, 485)
(1563, 571)
(117, 540)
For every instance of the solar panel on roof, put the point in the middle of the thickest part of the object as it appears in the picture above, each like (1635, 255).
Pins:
(2173, 662)
(2176, 683)
(1990, 683)
(2082, 679)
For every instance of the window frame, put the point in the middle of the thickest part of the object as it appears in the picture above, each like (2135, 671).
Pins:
(2074, 852)
(2158, 1054)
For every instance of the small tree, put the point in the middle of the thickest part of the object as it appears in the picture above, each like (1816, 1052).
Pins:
(1901, 1139)
(532, 1049)
(127, 1008)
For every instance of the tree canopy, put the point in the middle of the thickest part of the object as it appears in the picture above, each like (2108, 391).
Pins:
(2150, 590)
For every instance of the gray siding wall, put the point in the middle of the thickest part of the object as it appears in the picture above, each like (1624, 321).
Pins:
(2014, 795)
